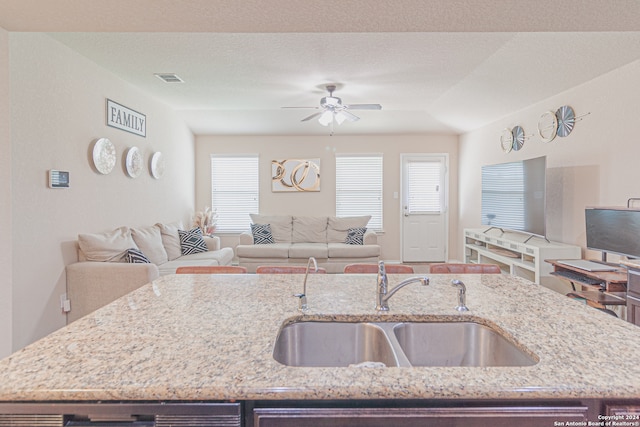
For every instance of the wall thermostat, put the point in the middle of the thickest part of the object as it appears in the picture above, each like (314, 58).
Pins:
(58, 179)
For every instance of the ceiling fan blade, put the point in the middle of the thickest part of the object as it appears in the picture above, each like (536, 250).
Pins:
(364, 106)
(313, 116)
(349, 116)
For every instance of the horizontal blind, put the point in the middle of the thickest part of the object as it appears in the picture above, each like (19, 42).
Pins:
(424, 186)
(503, 194)
(359, 187)
(235, 191)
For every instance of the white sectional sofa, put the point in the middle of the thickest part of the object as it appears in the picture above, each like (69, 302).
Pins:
(102, 273)
(296, 238)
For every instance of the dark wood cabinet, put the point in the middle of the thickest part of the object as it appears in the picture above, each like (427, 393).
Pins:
(633, 296)
(425, 413)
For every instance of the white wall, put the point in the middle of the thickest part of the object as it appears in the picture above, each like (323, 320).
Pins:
(5, 200)
(324, 147)
(57, 111)
(597, 164)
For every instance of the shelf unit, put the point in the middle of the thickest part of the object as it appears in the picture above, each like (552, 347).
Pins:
(515, 257)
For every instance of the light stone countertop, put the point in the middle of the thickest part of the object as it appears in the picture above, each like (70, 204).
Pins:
(201, 337)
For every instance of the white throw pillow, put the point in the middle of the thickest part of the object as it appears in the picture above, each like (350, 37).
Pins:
(149, 240)
(281, 225)
(110, 246)
(170, 239)
(309, 229)
(338, 227)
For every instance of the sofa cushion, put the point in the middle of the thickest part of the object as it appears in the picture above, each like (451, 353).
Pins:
(261, 234)
(110, 246)
(355, 236)
(338, 227)
(191, 241)
(135, 256)
(281, 225)
(309, 229)
(305, 250)
(171, 239)
(275, 250)
(149, 241)
(223, 256)
(343, 250)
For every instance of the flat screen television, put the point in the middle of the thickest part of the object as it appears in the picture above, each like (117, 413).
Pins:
(514, 195)
(613, 230)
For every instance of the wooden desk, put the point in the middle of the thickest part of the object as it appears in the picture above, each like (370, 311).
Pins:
(602, 298)
(612, 281)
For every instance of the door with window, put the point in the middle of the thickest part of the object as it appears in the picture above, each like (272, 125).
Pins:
(424, 207)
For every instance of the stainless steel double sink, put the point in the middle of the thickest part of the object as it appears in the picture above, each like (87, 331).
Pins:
(396, 344)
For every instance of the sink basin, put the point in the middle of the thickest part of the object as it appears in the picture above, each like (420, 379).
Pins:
(457, 344)
(403, 344)
(333, 344)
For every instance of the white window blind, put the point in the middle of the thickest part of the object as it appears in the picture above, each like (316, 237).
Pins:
(424, 185)
(359, 187)
(234, 191)
(503, 193)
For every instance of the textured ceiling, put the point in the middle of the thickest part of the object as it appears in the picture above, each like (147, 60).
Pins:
(434, 66)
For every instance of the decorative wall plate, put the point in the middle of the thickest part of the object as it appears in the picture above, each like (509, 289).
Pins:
(134, 162)
(104, 156)
(506, 140)
(548, 126)
(566, 120)
(518, 137)
(157, 165)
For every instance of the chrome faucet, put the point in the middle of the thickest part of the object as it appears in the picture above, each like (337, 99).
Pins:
(302, 298)
(382, 284)
(462, 295)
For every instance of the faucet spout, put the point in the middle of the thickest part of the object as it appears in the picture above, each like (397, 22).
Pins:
(382, 303)
(302, 298)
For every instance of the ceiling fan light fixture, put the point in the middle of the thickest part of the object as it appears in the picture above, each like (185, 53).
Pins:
(326, 118)
(340, 117)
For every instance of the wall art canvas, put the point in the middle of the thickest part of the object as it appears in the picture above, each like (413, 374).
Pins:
(293, 175)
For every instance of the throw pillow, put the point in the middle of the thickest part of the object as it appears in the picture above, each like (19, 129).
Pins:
(192, 241)
(149, 241)
(135, 256)
(355, 236)
(262, 234)
(171, 239)
(338, 227)
(110, 246)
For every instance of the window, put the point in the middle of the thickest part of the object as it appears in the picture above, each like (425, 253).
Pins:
(359, 187)
(424, 179)
(234, 191)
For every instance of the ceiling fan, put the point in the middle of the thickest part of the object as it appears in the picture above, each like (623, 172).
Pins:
(333, 110)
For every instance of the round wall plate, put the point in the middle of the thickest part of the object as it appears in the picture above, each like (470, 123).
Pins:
(566, 120)
(506, 140)
(104, 156)
(548, 126)
(134, 162)
(157, 165)
(518, 137)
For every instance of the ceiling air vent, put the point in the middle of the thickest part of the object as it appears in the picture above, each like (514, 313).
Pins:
(169, 78)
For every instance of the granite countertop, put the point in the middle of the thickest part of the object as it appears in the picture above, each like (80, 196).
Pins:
(201, 337)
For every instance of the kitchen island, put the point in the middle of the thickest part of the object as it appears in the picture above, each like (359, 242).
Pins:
(210, 339)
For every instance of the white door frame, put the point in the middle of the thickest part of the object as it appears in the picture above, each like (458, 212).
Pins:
(445, 158)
